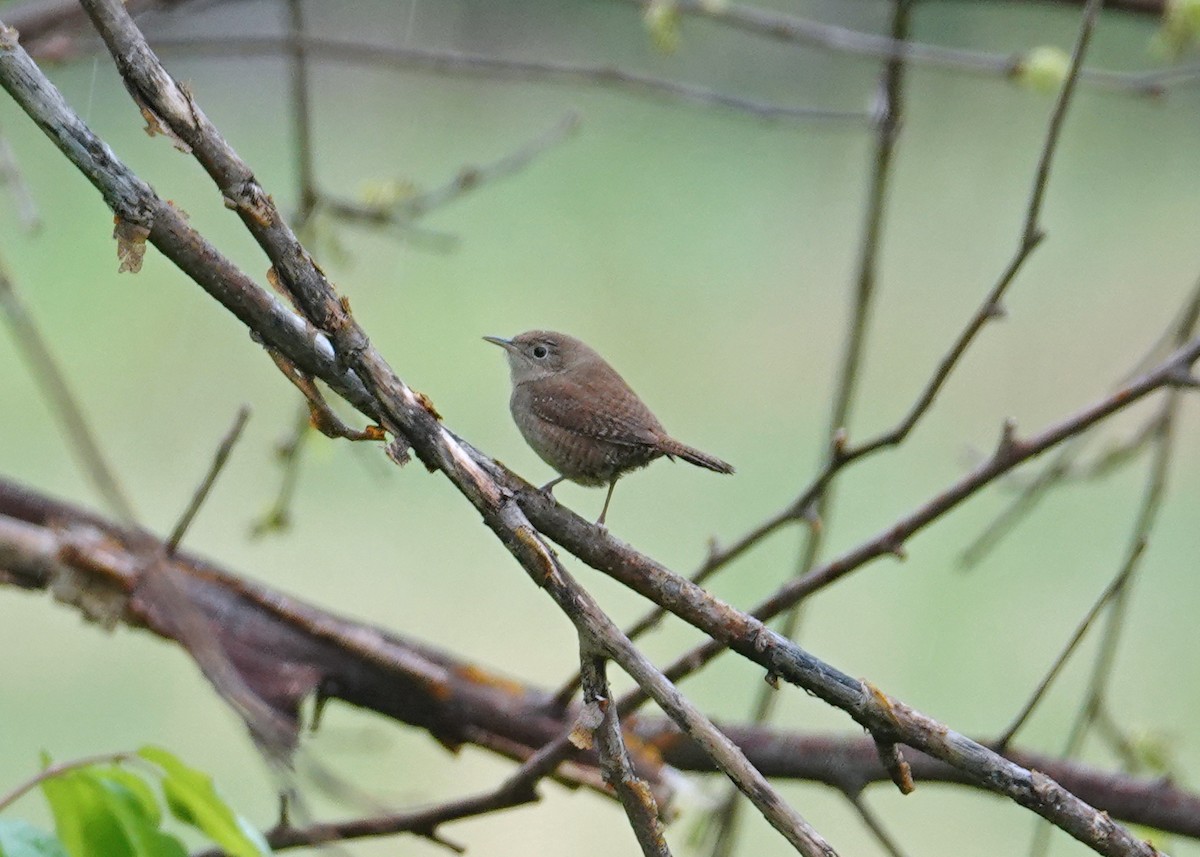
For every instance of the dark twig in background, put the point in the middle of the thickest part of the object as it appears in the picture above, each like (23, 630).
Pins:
(991, 308)
(875, 825)
(324, 341)
(44, 543)
(887, 132)
(1065, 465)
(12, 179)
(81, 440)
(1116, 598)
(289, 454)
(777, 26)
(210, 478)
(413, 206)
(302, 122)
(40, 20)
(57, 768)
(499, 69)
(474, 475)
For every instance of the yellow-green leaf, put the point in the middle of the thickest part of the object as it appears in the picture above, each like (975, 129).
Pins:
(1043, 69)
(193, 799)
(662, 22)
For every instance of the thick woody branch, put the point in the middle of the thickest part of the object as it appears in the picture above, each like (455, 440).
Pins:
(407, 414)
(374, 387)
(287, 650)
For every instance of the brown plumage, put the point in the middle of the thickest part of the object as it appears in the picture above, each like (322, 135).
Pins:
(581, 417)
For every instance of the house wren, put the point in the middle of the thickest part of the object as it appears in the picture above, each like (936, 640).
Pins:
(580, 416)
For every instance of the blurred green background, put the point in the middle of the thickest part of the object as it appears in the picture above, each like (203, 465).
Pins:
(709, 256)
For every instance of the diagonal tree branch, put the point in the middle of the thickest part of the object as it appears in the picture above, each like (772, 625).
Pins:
(287, 650)
(492, 490)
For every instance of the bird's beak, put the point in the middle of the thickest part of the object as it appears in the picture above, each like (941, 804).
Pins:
(506, 344)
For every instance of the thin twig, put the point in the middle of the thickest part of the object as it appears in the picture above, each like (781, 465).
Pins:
(875, 825)
(491, 490)
(59, 768)
(633, 792)
(848, 376)
(832, 37)
(11, 175)
(1085, 625)
(81, 441)
(501, 69)
(278, 516)
(1156, 431)
(1024, 503)
(991, 307)
(468, 179)
(306, 176)
(1093, 702)
(1063, 467)
(214, 470)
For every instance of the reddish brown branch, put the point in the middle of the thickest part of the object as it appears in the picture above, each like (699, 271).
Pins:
(286, 650)
(344, 357)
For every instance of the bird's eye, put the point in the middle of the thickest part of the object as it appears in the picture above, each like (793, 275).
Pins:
(540, 351)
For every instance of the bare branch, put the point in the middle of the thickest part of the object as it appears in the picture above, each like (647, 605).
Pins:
(489, 488)
(81, 441)
(468, 179)
(498, 69)
(277, 517)
(633, 792)
(831, 37)
(58, 768)
(875, 825)
(210, 478)
(887, 134)
(288, 650)
(306, 174)
(10, 175)
(1085, 624)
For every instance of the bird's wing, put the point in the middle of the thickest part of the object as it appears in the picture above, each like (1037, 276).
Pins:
(623, 420)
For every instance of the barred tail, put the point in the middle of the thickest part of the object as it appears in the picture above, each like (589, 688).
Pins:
(691, 455)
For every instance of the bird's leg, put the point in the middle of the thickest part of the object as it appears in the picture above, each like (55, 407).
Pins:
(604, 511)
(545, 489)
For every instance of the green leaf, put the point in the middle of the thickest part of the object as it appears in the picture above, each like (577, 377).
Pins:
(1180, 27)
(138, 818)
(104, 811)
(21, 839)
(193, 800)
(81, 817)
(139, 790)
